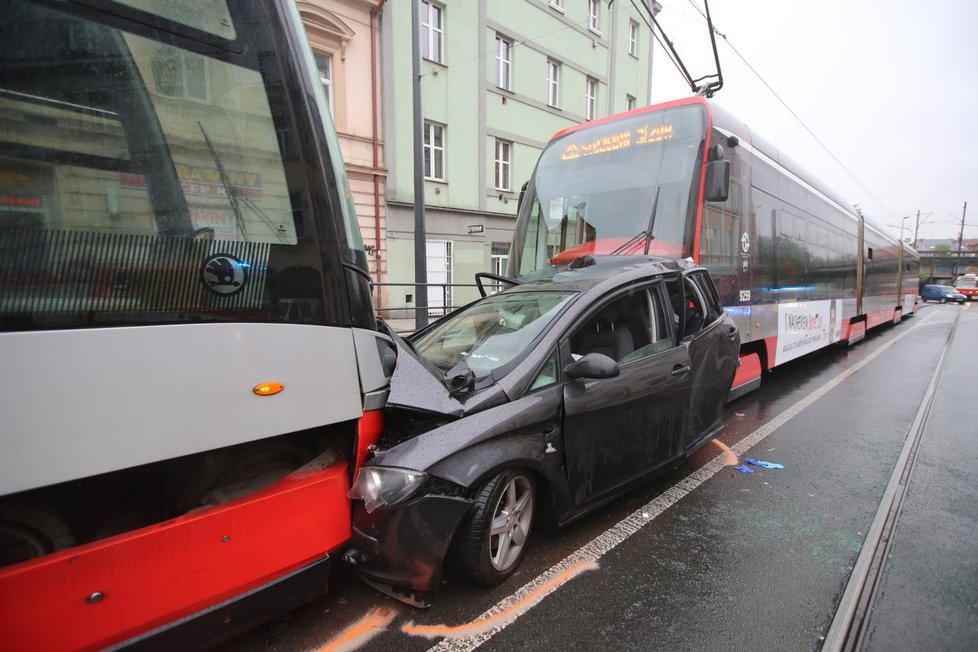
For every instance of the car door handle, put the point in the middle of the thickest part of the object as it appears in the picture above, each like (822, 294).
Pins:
(679, 371)
(733, 332)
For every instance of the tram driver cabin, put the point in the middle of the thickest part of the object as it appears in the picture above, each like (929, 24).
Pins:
(797, 268)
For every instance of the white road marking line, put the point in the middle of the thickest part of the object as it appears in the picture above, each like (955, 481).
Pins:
(618, 533)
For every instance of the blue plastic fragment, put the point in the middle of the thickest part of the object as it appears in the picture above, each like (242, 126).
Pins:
(762, 463)
(744, 468)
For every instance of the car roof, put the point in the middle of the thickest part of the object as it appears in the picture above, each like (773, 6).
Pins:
(589, 272)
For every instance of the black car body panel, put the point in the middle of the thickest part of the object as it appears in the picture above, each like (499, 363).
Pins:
(520, 426)
(612, 436)
(413, 385)
(586, 440)
(406, 546)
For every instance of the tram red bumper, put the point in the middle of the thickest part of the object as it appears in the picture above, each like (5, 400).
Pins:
(113, 590)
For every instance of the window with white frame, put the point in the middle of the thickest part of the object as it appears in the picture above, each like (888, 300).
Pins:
(593, 15)
(499, 261)
(438, 259)
(504, 53)
(633, 38)
(590, 98)
(504, 153)
(434, 151)
(629, 102)
(557, 4)
(181, 74)
(553, 80)
(432, 31)
(325, 64)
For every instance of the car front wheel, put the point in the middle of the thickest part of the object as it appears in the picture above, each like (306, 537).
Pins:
(943, 300)
(491, 543)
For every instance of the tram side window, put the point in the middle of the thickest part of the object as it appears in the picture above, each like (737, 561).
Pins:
(720, 234)
(787, 225)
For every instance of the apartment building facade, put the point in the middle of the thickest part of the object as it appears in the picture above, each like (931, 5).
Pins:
(498, 79)
(345, 38)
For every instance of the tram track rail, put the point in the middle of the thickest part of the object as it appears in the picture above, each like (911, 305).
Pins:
(852, 624)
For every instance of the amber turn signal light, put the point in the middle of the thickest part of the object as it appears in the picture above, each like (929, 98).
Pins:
(268, 389)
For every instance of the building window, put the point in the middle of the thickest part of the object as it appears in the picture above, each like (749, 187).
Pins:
(590, 98)
(325, 64)
(181, 74)
(432, 31)
(593, 18)
(553, 76)
(629, 103)
(504, 49)
(434, 152)
(504, 153)
(499, 261)
(633, 38)
(438, 257)
(558, 5)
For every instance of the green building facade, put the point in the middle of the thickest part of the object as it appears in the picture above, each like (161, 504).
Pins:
(499, 78)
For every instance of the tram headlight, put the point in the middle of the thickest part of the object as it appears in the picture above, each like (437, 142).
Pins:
(379, 486)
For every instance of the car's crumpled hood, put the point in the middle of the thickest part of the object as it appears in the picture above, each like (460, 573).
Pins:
(415, 387)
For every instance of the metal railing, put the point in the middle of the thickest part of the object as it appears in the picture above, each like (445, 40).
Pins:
(410, 316)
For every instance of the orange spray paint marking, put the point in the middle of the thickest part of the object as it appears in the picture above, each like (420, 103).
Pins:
(503, 617)
(731, 458)
(357, 634)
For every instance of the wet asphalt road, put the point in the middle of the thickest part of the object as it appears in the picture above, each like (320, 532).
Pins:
(740, 561)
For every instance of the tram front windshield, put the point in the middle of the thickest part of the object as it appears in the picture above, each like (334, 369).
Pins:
(594, 190)
(151, 171)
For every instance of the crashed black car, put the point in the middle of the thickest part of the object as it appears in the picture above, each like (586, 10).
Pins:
(537, 404)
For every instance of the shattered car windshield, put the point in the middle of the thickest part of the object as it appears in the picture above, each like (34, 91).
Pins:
(491, 332)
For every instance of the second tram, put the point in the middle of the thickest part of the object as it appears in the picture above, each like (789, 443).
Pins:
(796, 267)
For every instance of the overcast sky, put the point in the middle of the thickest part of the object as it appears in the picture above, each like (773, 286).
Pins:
(889, 88)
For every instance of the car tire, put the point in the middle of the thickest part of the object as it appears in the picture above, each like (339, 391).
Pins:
(943, 300)
(487, 554)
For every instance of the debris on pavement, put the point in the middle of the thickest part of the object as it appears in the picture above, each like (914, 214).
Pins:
(762, 463)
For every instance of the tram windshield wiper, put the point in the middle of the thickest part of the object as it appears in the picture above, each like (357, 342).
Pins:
(628, 243)
(648, 232)
(645, 233)
(235, 198)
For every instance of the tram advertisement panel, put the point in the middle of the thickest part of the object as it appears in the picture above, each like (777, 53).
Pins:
(806, 326)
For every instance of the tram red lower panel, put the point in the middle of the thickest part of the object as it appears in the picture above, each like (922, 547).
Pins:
(108, 591)
(879, 317)
(748, 376)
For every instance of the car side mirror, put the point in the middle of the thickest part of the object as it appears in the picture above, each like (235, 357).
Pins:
(592, 365)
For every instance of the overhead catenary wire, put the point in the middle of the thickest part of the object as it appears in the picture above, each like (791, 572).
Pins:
(801, 122)
(667, 48)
